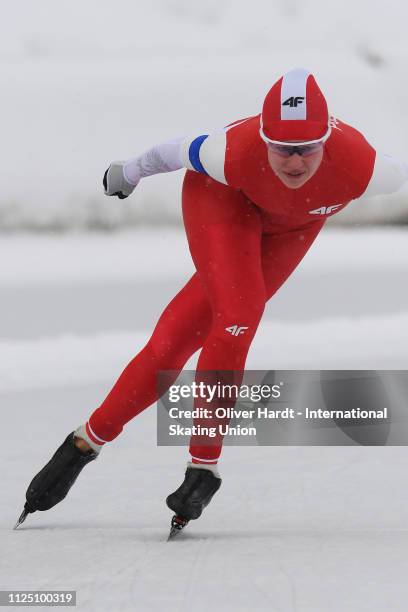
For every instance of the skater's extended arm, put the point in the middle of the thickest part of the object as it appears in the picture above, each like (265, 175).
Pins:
(204, 153)
(122, 177)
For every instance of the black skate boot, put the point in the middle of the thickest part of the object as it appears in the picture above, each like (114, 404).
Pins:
(52, 483)
(190, 499)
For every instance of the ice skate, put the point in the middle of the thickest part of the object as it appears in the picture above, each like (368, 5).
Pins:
(193, 495)
(52, 484)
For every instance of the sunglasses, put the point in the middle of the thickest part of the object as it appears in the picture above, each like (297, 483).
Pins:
(286, 149)
(304, 150)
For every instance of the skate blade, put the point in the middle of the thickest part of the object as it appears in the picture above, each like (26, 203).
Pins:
(177, 525)
(21, 518)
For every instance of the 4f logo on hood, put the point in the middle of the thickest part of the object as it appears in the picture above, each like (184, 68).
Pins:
(293, 101)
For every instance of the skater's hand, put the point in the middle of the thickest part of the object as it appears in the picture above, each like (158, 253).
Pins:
(115, 183)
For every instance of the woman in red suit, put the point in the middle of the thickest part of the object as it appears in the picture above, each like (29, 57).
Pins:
(255, 196)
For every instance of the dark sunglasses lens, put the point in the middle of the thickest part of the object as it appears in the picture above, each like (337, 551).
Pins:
(281, 150)
(309, 149)
(303, 150)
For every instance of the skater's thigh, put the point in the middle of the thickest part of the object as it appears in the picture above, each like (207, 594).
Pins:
(224, 232)
(282, 252)
(208, 202)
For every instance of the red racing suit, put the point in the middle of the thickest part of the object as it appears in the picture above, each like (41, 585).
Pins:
(247, 232)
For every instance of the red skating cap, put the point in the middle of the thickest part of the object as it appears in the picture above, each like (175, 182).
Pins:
(295, 109)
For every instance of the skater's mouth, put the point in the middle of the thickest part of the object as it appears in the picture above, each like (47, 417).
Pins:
(296, 174)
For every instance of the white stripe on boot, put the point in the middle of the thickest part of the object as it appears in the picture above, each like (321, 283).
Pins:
(81, 433)
(212, 467)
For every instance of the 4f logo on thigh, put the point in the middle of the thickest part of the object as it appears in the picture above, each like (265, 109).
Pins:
(235, 330)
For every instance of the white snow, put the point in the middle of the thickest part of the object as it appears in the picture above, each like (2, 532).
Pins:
(162, 254)
(291, 529)
(29, 259)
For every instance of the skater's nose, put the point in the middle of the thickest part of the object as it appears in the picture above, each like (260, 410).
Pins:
(294, 162)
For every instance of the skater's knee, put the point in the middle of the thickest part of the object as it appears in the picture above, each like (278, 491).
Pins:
(172, 350)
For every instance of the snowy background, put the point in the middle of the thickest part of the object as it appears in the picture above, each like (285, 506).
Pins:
(292, 529)
(84, 82)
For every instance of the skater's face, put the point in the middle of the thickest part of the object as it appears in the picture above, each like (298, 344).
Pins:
(295, 170)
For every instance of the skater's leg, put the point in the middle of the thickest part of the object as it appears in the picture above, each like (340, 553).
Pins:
(224, 232)
(178, 334)
(281, 254)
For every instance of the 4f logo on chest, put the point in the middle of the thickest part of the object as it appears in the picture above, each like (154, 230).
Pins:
(293, 101)
(324, 210)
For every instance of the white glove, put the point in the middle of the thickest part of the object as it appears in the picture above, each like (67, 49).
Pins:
(115, 183)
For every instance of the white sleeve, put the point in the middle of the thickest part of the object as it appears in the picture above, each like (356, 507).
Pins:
(389, 175)
(165, 157)
(204, 153)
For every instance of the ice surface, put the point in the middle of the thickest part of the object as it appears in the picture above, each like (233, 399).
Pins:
(292, 529)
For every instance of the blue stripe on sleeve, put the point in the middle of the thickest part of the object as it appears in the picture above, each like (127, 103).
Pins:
(194, 153)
